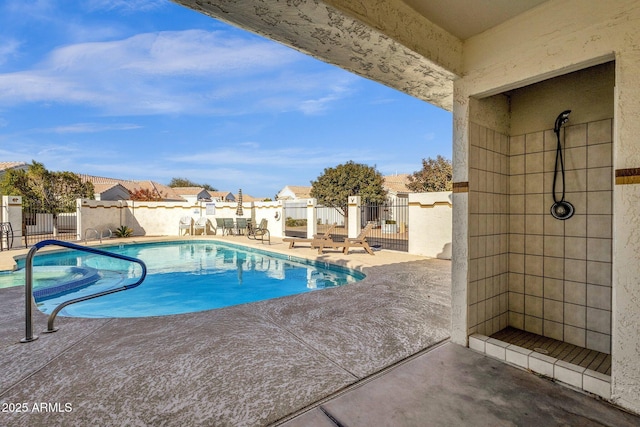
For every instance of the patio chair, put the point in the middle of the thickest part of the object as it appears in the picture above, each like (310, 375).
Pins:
(185, 224)
(200, 224)
(313, 240)
(241, 225)
(228, 226)
(261, 232)
(219, 226)
(360, 241)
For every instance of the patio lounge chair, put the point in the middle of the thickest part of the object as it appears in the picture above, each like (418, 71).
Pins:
(360, 241)
(185, 224)
(261, 232)
(313, 240)
(201, 224)
(353, 242)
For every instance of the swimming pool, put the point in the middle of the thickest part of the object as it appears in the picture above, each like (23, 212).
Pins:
(182, 277)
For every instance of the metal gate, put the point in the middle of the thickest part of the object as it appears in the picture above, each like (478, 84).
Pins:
(295, 218)
(326, 217)
(37, 226)
(390, 224)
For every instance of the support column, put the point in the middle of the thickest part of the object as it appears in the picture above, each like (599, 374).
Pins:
(312, 218)
(460, 238)
(354, 225)
(625, 364)
(12, 213)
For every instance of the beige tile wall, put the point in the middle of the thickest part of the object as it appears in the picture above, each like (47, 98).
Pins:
(488, 230)
(560, 271)
(526, 268)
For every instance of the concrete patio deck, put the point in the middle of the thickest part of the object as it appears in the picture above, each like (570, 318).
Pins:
(359, 355)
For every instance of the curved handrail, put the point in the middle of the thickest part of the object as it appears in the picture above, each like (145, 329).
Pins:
(86, 232)
(28, 285)
(108, 236)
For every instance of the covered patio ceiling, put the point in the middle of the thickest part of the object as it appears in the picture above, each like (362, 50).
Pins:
(414, 46)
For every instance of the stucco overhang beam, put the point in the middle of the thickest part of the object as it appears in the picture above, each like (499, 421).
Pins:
(335, 37)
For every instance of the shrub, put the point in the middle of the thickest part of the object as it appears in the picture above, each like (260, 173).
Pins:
(123, 231)
(291, 222)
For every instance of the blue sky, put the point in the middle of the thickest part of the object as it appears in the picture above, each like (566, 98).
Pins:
(148, 89)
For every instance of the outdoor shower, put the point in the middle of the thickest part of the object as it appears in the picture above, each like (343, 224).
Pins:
(560, 209)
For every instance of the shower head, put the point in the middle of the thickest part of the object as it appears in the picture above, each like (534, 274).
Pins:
(562, 119)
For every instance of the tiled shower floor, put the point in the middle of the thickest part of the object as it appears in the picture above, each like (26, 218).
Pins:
(590, 359)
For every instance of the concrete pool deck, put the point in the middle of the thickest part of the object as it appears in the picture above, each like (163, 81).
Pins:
(369, 353)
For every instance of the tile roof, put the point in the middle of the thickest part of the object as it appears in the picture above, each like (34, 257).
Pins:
(188, 191)
(165, 191)
(300, 191)
(397, 183)
(4, 166)
(101, 188)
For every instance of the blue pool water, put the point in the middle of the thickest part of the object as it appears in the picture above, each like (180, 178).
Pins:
(182, 277)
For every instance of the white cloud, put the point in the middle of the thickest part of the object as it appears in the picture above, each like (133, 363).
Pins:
(124, 5)
(192, 71)
(8, 49)
(91, 128)
(274, 158)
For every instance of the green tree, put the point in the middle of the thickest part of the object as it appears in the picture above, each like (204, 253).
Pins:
(45, 191)
(184, 182)
(335, 185)
(435, 175)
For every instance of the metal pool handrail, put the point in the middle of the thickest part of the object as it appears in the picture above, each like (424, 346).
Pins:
(28, 285)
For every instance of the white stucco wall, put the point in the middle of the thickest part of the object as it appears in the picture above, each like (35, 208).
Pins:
(431, 218)
(11, 212)
(162, 218)
(272, 212)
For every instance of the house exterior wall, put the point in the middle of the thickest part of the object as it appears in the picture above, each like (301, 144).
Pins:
(535, 46)
(115, 193)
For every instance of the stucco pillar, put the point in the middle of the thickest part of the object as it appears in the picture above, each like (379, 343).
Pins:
(312, 217)
(460, 237)
(625, 375)
(354, 216)
(12, 213)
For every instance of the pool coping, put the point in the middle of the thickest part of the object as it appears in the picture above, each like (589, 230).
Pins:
(355, 260)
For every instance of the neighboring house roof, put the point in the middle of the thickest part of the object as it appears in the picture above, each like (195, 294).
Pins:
(101, 188)
(5, 166)
(167, 192)
(188, 191)
(291, 192)
(248, 198)
(224, 196)
(110, 192)
(396, 184)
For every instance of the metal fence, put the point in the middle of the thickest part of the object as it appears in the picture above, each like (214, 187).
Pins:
(326, 217)
(390, 224)
(295, 218)
(37, 226)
